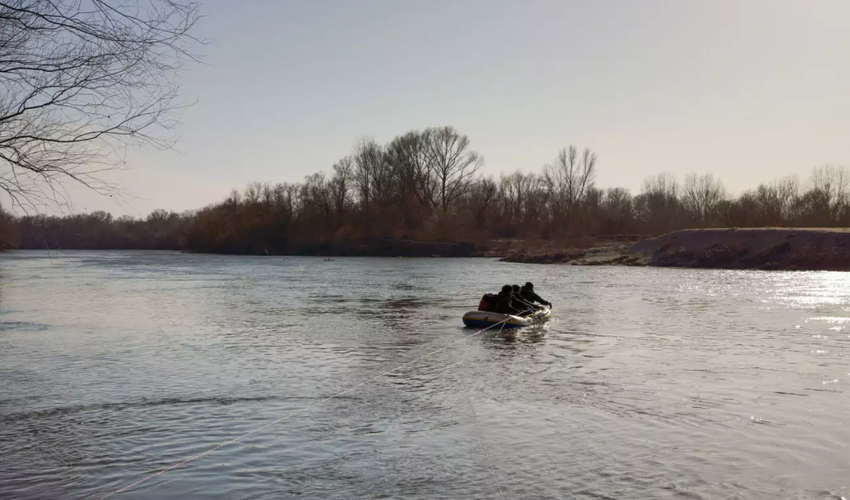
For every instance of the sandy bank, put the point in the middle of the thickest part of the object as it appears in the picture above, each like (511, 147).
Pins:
(762, 248)
(602, 255)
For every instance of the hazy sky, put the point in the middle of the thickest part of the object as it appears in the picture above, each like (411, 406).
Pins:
(746, 89)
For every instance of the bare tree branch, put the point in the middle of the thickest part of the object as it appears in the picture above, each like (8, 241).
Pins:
(701, 196)
(451, 165)
(80, 82)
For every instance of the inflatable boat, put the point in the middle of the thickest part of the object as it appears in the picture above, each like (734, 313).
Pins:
(483, 319)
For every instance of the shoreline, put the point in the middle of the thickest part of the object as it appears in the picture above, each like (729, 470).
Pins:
(789, 249)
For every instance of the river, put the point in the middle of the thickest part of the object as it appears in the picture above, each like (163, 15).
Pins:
(648, 383)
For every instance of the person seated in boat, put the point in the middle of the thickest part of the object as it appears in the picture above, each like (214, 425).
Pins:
(520, 303)
(504, 301)
(528, 295)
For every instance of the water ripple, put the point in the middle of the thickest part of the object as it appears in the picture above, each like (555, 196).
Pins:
(648, 383)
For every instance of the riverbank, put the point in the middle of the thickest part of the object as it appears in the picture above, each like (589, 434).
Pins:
(376, 247)
(803, 249)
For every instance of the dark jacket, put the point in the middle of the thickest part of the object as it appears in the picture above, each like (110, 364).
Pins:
(529, 296)
(504, 303)
(520, 303)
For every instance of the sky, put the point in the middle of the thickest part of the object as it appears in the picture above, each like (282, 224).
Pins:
(747, 90)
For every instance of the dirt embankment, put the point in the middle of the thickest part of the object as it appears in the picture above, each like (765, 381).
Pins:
(598, 250)
(763, 248)
(602, 255)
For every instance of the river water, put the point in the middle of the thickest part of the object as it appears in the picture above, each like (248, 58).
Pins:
(648, 383)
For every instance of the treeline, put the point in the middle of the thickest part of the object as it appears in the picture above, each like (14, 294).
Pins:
(427, 185)
(160, 230)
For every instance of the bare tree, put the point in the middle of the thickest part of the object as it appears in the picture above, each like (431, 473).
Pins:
(701, 196)
(234, 199)
(80, 80)
(286, 201)
(451, 165)
(516, 194)
(513, 191)
(663, 185)
(407, 156)
(830, 186)
(482, 196)
(658, 204)
(253, 193)
(371, 172)
(773, 202)
(557, 179)
(787, 190)
(267, 195)
(317, 197)
(586, 175)
(568, 180)
(340, 186)
(618, 207)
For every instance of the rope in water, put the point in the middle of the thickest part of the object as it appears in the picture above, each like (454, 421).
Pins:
(486, 450)
(302, 410)
(481, 437)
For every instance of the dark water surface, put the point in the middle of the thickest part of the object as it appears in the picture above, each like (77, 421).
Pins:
(649, 383)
